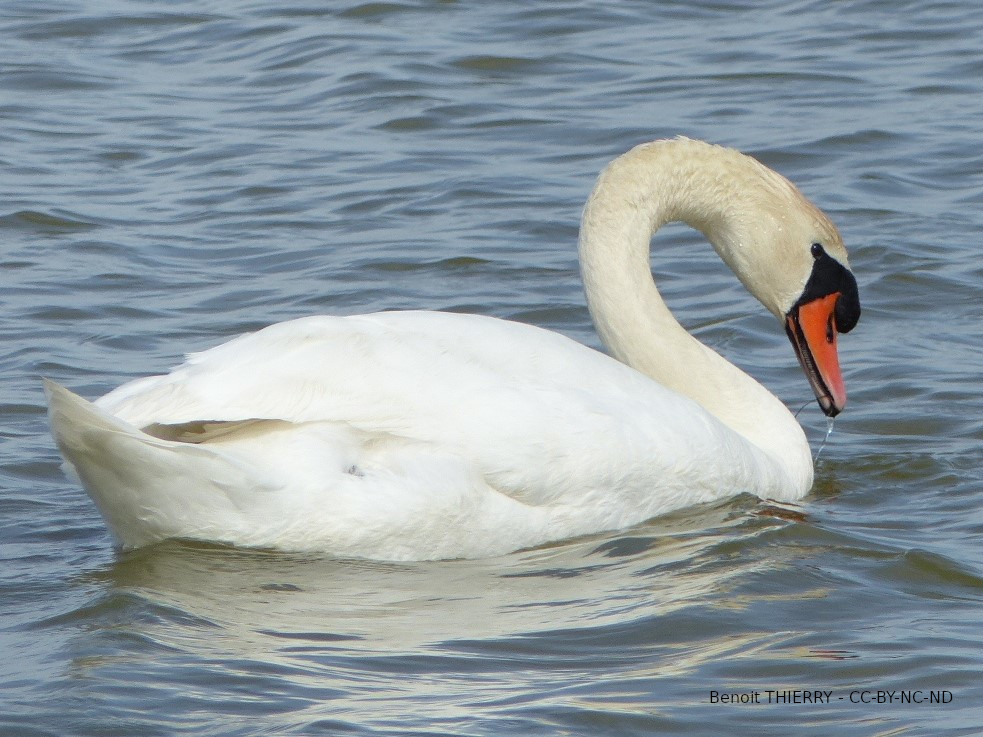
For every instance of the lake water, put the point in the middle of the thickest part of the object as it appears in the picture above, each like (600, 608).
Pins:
(174, 174)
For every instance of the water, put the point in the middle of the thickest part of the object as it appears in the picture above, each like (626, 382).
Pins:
(175, 174)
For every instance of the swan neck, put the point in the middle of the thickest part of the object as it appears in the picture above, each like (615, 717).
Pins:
(637, 195)
(652, 185)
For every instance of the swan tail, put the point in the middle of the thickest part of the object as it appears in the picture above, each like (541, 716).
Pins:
(146, 488)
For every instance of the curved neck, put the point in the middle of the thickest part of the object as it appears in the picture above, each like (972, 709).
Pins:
(637, 194)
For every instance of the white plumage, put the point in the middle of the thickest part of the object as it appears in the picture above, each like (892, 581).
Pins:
(412, 435)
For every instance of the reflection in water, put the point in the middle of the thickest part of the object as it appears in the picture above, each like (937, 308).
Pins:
(338, 631)
(390, 607)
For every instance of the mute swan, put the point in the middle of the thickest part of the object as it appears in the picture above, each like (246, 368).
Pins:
(423, 435)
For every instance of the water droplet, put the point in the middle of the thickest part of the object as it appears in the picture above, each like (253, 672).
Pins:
(829, 431)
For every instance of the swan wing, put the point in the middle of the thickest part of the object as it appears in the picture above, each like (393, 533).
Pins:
(541, 417)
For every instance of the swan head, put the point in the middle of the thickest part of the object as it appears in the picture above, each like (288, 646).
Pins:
(786, 252)
(828, 304)
(791, 256)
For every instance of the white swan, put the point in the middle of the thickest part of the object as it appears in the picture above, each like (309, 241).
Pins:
(419, 435)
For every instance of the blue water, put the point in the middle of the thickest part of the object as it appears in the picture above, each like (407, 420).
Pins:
(173, 175)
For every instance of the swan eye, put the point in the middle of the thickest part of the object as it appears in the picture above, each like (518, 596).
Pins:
(817, 250)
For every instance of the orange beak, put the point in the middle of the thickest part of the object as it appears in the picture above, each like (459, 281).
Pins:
(812, 329)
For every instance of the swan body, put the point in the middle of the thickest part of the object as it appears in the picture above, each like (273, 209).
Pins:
(422, 435)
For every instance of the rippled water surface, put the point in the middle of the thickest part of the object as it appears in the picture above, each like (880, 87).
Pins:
(173, 174)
